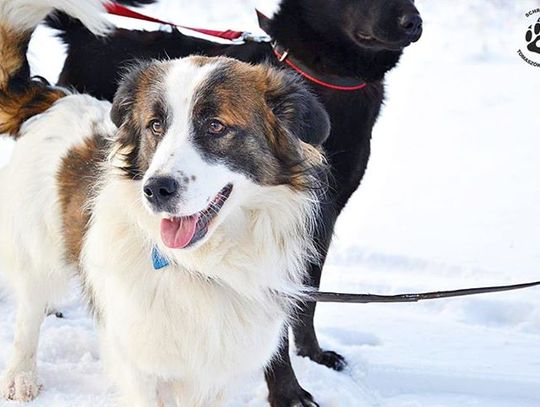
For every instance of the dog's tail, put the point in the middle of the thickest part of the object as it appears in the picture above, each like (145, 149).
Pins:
(21, 97)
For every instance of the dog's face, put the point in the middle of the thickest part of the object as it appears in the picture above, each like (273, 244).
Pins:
(372, 24)
(201, 133)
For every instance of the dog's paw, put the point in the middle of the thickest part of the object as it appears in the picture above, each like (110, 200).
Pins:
(327, 358)
(20, 386)
(533, 37)
(300, 398)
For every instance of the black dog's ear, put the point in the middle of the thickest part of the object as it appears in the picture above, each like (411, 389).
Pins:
(124, 97)
(264, 21)
(297, 108)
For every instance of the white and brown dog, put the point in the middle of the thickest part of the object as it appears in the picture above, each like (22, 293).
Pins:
(184, 207)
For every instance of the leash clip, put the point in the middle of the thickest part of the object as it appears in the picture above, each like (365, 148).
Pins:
(168, 28)
(250, 37)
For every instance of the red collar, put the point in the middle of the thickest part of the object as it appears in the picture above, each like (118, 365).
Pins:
(333, 82)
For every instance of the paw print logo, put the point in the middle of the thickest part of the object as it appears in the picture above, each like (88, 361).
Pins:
(533, 37)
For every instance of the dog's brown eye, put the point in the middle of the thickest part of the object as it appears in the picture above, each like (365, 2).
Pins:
(157, 127)
(216, 127)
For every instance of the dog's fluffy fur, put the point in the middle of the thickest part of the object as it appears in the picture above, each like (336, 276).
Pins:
(361, 39)
(72, 201)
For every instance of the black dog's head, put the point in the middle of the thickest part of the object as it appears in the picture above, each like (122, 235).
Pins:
(347, 37)
(372, 24)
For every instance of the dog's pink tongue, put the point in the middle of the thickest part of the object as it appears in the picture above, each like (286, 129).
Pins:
(177, 233)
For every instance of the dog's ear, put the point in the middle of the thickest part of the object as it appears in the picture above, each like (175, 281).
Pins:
(297, 108)
(127, 140)
(125, 95)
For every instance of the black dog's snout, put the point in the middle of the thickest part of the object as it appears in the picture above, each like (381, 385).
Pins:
(411, 24)
(160, 190)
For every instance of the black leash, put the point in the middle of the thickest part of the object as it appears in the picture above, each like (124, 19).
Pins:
(373, 298)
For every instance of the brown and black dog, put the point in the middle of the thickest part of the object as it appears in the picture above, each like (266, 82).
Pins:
(183, 207)
(341, 41)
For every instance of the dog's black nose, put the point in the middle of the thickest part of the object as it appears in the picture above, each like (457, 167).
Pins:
(411, 24)
(160, 190)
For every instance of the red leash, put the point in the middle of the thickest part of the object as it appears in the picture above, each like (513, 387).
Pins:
(334, 83)
(122, 11)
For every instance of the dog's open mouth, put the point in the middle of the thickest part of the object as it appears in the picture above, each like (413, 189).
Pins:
(178, 233)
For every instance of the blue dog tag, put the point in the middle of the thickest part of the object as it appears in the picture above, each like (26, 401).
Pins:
(158, 260)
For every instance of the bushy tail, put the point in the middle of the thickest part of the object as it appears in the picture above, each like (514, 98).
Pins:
(20, 96)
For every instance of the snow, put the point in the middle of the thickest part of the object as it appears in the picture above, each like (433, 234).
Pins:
(451, 199)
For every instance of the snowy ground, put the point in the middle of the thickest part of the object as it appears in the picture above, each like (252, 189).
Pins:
(451, 199)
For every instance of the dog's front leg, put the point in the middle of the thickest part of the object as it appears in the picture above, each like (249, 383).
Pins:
(135, 388)
(138, 391)
(20, 378)
(283, 387)
(186, 395)
(303, 327)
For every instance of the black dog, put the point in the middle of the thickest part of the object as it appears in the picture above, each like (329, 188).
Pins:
(343, 43)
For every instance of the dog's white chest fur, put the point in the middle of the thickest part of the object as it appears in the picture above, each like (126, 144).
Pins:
(174, 323)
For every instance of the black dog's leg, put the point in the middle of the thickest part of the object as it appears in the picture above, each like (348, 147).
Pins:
(305, 337)
(284, 389)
